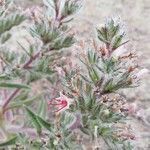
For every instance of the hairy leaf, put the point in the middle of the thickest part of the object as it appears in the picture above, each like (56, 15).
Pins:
(12, 141)
(13, 85)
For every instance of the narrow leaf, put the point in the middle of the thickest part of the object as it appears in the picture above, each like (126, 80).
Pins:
(44, 123)
(34, 120)
(13, 85)
(12, 141)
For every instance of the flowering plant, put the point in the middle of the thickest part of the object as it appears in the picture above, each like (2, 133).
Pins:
(90, 111)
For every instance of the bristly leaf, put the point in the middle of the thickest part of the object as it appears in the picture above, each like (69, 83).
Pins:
(92, 57)
(42, 110)
(63, 42)
(111, 34)
(18, 104)
(12, 141)
(70, 7)
(47, 33)
(11, 21)
(13, 85)
(66, 119)
(34, 120)
(44, 123)
(5, 37)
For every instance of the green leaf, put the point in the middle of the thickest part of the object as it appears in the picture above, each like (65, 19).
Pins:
(9, 22)
(117, 41)
(66, 119)
(102, 35)
(5, 37)
(44, 123)
(85, 78)
(68, 41)
(47, 33)
(12, 141)
(70, 7)
(42, 108)
(18, 104)
(94, 75)
(109, 86)
(13, 85)
(81, 104)
(34, 120)
(85, 131)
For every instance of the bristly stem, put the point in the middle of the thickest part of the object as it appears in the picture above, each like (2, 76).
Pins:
(27, 64)
(32, 58)
(10, 98)
(7, 101)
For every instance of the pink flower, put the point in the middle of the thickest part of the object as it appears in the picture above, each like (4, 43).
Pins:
(62, 103)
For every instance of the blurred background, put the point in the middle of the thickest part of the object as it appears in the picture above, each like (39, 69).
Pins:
(136, 16)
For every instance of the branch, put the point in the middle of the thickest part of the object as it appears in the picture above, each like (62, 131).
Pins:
(25, 66)
(10, 98)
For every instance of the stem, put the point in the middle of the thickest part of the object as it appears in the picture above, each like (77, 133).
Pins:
(9, 114)
(31, 60)
(57, 121)
(26, 65)
(96, 144)
(18, 90)
(10, 98)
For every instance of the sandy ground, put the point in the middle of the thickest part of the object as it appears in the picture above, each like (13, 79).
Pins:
(136, 15)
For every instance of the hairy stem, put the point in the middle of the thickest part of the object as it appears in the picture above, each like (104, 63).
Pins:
(10, 98)
(25, 66)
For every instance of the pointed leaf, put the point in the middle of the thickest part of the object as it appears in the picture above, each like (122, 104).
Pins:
(34, 120)
(12, 141)
(44, 123)
(13, 85)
